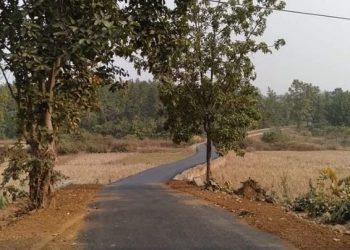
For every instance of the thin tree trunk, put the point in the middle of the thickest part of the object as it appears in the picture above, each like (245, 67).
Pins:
(47, 185)
(209, 148)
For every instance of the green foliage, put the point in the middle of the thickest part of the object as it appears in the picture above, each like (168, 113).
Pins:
(3, 202)
(7, 114)
(135, 110)
(208, 87)
(274, 136)
(303, 97)
(338, 107)
(59, 54)
(304, 104)
(275, 110)
(329, 200)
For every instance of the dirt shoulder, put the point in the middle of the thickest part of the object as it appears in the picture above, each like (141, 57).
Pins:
(54, 228)
(272, 218)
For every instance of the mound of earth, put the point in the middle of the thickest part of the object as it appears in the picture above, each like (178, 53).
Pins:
(251, 190)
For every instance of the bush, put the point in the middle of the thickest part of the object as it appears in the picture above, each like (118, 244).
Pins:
(329, 200)
(94, 143)
(121, 148)
(67, 147)
(275, 136)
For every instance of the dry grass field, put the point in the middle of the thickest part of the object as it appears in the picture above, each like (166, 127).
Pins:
(103, 168)
(91, 168)
(281, 172)
(284, 167)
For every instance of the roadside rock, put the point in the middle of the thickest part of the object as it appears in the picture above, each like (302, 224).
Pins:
(198, 182)
(340, 229)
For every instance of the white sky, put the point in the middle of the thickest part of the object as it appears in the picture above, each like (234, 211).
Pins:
(317, 50)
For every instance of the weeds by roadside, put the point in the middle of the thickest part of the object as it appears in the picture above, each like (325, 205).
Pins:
(3, 202)
(328, 201)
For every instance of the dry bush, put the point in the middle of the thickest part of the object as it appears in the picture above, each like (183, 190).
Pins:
(95, 143)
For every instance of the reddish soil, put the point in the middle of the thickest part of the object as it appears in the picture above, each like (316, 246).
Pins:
(301, 233)
(54, 228)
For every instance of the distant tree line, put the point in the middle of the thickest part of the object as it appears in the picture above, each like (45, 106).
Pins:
(305, 105)
(134, 110)
(137, 110)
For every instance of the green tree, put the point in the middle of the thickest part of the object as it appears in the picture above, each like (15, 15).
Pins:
(7, 114)
(209, 85)
(59, 54)
(303, 97)
(134, 110)
(271, 110)
(338, 107)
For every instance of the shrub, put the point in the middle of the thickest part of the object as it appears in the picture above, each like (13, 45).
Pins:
(329, 200)
(121, 148)
(66, 147)
(274, 136)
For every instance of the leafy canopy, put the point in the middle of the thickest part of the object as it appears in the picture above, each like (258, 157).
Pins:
(209, 85)
(59, 53)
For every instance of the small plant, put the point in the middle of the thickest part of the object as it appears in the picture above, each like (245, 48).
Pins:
(285, 189)
(3, 202)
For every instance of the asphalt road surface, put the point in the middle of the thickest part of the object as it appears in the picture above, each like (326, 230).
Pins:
(141, 213)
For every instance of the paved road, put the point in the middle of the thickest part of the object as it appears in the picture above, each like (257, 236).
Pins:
(141, 213)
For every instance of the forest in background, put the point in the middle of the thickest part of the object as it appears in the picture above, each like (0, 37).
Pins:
(137, 110)
(134, 110)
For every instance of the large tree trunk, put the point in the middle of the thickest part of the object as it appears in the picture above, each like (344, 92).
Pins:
(209, 148)
(41, 189)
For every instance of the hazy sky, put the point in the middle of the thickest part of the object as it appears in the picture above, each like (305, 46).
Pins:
(317, 49)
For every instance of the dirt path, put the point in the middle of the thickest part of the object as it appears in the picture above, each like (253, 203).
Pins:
(54, 228)
(272, 218)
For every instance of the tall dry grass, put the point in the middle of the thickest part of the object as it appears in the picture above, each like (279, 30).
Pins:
(282, 173)
(102, 168)
(90, 168)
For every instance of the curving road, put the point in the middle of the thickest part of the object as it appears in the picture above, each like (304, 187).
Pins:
(141, 213)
